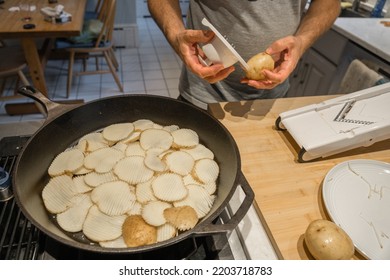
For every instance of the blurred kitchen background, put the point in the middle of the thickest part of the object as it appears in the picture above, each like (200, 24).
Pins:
(148, 65)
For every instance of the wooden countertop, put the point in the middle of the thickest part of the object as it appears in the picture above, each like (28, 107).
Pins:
(287, 193)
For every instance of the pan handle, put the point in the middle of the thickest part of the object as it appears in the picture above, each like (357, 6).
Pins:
(44, 104)
(230, 225)
(47, 107)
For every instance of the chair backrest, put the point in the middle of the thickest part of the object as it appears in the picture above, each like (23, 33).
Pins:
(98, 6)
(107, 16)
(357, 77)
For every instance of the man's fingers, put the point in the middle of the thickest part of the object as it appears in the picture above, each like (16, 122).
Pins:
(220, 75)
(198, 36)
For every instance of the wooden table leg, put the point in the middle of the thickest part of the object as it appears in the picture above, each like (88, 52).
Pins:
(36, 68)
(34, 64)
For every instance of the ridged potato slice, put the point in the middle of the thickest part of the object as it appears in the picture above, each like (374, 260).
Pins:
(206, 170)
(185, 137)
(133, 170)
(82, 171)
(143, 124)
(133, 137)
(135, 149)
(80, 186)
(155, 138)
(95, 179)
(189, 180)
(103, 160)
(200, 152)
(153, 212)
(117, 132)
(171, 127)
(100, 227)
(73, 218)
(116, 243)
(113, 198)
(182, 217)
(58, 194)
(158, 126)
(144, 192)
(180, 162)
(199, 199)
(92, 142)
(153, 160)
(169, 187)
(120, 146)
(165, 232)
(66, 162)
(136, 209)
(210, 187)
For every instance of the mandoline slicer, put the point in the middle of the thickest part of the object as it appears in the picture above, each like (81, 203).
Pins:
(357, 119)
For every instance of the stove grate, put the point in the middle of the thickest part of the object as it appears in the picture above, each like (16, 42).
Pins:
(19, 239)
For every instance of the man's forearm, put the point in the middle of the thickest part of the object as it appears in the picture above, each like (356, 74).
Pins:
(318, 19)
(167, 14)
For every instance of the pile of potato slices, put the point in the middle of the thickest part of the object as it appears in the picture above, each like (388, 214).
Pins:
(132, 184)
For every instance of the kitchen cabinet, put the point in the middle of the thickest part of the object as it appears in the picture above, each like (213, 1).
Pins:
(322, 68)
(313, 74)
(317, 68)
(355, 51)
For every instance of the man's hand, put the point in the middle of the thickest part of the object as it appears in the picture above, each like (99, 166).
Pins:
(167, 14)
(286, 52)
(186, 46)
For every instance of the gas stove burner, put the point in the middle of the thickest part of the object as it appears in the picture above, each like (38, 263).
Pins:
(5, 186)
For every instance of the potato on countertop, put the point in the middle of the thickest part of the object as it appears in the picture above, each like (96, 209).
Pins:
(327, 241)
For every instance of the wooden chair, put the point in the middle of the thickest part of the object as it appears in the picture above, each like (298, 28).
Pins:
(12, 63)
(97, 12)
(358, 76)
(100, 46)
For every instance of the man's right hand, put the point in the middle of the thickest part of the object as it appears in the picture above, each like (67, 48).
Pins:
(186, 46)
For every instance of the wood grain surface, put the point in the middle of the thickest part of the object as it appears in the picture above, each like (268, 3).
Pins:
(287, 193)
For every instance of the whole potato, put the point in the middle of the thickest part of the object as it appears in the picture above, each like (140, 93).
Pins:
(257, 63)
(327, 241)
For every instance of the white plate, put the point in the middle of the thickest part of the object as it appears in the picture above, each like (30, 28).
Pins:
(229, 48)
(357, 196)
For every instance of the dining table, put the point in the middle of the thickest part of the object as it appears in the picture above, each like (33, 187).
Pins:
(288, 193)
(37, 35)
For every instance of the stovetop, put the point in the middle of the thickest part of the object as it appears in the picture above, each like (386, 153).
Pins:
(20, 239)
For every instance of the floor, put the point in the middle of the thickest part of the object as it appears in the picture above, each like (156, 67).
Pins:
(151, 68)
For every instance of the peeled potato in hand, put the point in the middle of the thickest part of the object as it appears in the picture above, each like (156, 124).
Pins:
(257, 63)
(327, 241)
